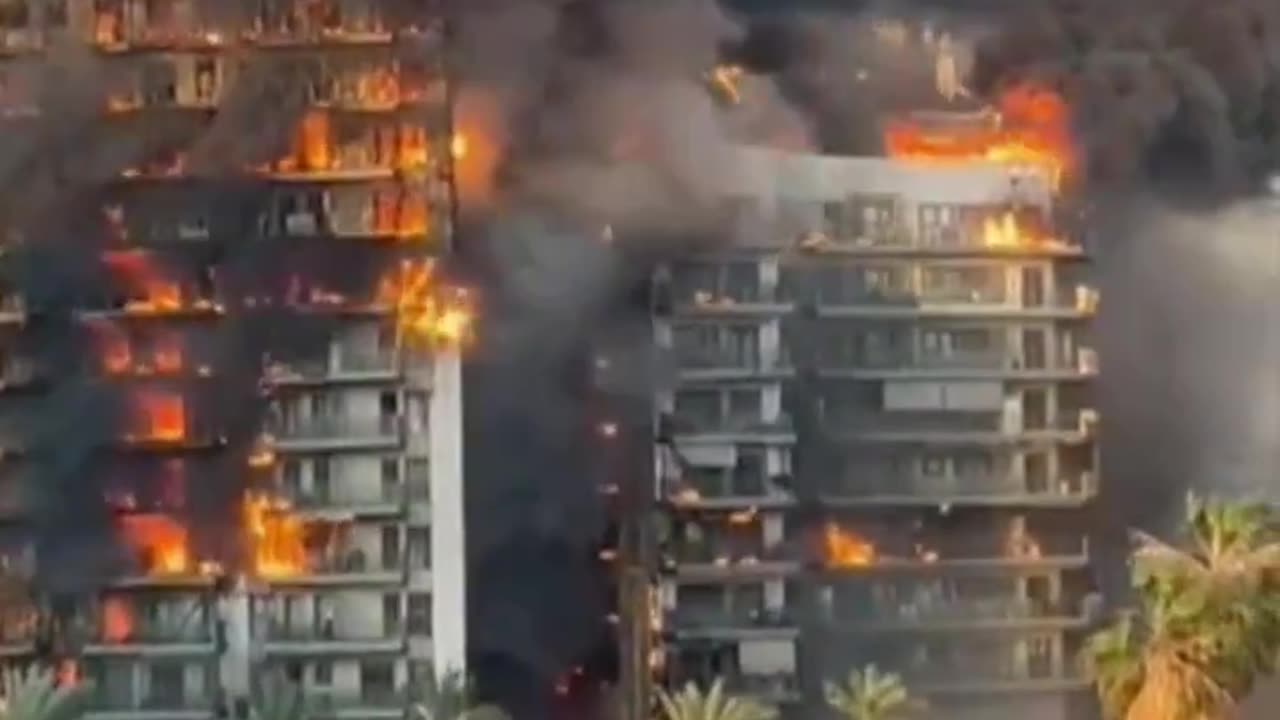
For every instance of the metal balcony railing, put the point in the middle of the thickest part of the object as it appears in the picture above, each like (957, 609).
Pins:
(329, 632)
(194, 631)
(331, 499)
(864, 486)
(338, 428)
(949, 610)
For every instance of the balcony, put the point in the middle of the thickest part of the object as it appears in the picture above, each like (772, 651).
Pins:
(899, 241)
(958, 614)
(989, 365)
(173, 638)
(1001, 489)
(328, 638)
(166, 702)
(386, 704)
(342, 566)
(346, 366)
(739, 624)
(742, 427)
(720, 561)
(338, 433)
(991, 553)
(337, 506)
(1076, 426)
(1080, 302)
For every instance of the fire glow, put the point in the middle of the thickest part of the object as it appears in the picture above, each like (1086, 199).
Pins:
(427, 312)
(845, 549)
(150, 292)
(276, 537)
(160, 541)
(161, 417)
(1031, 130)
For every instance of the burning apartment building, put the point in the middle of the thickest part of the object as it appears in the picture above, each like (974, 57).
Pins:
(881, 442)
(233, 437)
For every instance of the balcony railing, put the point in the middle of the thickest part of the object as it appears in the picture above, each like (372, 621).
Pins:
(688, 423)
(959, 611)
(873, 488)
(338, 428)
(330, 500)
(169, 698)
(158, 633)
(345, 364)
(323, 702)
(322, 632)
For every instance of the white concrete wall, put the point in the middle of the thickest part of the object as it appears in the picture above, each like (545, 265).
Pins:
(358, 614)
(448, 531)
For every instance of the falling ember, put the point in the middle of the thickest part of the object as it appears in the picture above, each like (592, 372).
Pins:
(459, 146)
(846, 549)
(117, 622)
(727, 80)
(276, 537)
(1031, 129)
(68, 673)
(160, 541)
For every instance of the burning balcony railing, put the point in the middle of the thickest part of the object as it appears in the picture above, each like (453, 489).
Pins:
(848, 549)
(326, 21)
(286, 546)
(380, 150)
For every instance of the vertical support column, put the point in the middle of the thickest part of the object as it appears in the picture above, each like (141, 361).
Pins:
(235, 665)
(448, 524)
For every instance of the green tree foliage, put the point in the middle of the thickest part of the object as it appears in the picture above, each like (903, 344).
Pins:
(450, 697)
(869, 694)
(693, 704)
(1207, 622)
(36, 696)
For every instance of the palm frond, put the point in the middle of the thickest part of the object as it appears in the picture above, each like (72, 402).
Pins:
(35, 695)
(870, 694)
(690, 703)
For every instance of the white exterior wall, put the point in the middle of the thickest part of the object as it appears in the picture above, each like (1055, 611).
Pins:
(448, 546)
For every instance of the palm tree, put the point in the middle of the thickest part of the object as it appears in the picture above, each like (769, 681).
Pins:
(450, 697)
(36, 696)
(870, 694)
(692, 704)
(1207, 623)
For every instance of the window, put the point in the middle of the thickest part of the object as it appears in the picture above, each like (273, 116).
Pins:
(749, 472)
(391, 615)
(323, 671)
(291, 476)
(166, 682)
(377, 679)
(745, 406)
(321, 476)
(419, 474)
(390, 472)
(390, 547)
(419, 549)
(419, 614)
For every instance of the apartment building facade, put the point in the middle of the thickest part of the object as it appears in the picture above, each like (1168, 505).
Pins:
(881, 443)
(285, 469)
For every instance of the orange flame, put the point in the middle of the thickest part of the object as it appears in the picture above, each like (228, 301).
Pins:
(152, 292)
(277, 537)
(1032, 129)
(727, 80)
(160, 541)
(846, 549)
(167, 355)
(117, 621)
(68, 673)
(162, 416)
(426, 311)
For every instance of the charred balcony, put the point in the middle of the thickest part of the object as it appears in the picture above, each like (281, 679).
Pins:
(154, 623)
(399, 213)
(734, 413)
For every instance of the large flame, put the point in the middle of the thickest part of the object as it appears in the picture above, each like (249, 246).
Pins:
(149, 291)
(1032, 130)
(427, 312)
(160, 541)
(846, 549)
(277, 537)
